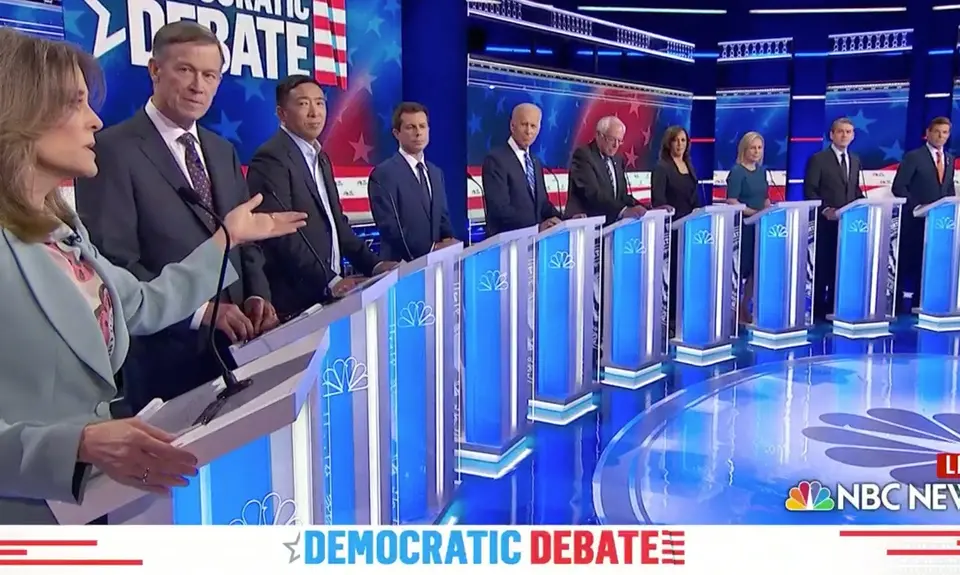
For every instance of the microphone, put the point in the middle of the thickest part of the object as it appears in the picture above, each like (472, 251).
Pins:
(403, 238)
(556, 181)
(483, 197)
(233, 385)
(303, 236)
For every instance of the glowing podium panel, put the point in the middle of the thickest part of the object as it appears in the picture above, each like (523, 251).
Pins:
(708, 283)
(866, 276)
(939, 308)
(564, 272)
(496, 362)
(784, 256)
(636, 300)
(422, 374)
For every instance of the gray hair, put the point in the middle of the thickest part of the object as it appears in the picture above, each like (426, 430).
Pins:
(608, 122)
(184, 32)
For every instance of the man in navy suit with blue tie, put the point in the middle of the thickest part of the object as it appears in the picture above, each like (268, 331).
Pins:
(406, 192)
(514, 191)
(925, 175)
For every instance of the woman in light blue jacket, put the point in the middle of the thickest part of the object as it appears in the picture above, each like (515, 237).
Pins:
(66, 314)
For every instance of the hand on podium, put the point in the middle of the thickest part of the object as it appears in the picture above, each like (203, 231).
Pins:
(830, 214)
(444, 243)
(232, 321)
(261, 314)
(137, 454)
(549, 223)
(385, 266)
(636, 211)
(346, 284)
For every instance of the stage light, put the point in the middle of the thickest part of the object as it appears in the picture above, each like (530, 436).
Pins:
(947, 7)
(828, 10)
(649, 10)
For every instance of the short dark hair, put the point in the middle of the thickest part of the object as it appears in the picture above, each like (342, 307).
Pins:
(289, 84)
(184, 32)
(939, 121)
(407, 108)
(840, 122)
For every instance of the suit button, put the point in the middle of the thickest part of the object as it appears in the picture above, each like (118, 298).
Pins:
(103, 409)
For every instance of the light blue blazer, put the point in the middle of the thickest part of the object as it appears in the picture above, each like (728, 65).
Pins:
(55, 373)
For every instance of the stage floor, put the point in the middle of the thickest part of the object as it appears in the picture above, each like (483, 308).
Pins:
(725, 444)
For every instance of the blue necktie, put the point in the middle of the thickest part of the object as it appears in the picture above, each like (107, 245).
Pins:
(531, 181)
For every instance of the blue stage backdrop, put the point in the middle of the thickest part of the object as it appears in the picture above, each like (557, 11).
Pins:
(572, 106)
(955, 117)
(361, 72)
(41, 19)
(764, 110)
(879, 116)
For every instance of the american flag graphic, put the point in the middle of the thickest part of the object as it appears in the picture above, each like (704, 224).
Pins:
(671, 545)
(56, 553)
(330, 42)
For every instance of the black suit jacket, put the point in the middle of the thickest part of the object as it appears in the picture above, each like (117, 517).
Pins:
(139, 222)
(670, 187)
(917, 178)
(506, 196)
(297, 280)
(823, 179)
(590, 190)
(410, 219)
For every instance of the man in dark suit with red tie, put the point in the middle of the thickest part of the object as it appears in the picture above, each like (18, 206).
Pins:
(137, 219)
(924, 176)
(293, 168)
(407, 195)
(833, 177)
(514, 191)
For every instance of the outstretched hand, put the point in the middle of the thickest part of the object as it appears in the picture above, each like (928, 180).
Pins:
(246, 226)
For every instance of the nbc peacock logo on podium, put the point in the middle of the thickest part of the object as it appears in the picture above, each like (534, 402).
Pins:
(260, 38)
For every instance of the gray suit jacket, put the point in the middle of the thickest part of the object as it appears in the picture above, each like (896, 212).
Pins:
(55, 373)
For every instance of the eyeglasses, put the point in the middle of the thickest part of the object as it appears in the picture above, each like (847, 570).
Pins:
(612, 140)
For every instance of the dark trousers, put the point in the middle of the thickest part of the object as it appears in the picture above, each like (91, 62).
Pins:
(910, 270)
(824, 283)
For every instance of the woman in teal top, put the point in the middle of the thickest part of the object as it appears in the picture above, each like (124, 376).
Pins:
(747, 184)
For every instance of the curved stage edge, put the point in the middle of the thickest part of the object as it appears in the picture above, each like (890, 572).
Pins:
(729, 449)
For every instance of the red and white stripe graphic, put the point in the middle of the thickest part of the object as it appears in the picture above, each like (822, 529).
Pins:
(56, 553)
(671, 547)
(330, 42)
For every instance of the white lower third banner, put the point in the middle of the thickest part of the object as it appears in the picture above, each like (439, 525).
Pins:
(481, 550)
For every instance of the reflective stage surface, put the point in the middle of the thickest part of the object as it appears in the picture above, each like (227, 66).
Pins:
(725, 444)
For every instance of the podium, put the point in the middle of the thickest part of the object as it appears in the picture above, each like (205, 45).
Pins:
(785, 250)
(866, 276)
(939, 308)
(708, 284)
(308, 443)
(496, 353)
(422, 376)
(565, 369)
(636, 300)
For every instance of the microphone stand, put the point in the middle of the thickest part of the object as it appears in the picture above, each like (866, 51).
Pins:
(233, 385)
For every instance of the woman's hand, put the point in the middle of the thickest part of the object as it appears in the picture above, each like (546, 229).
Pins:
(245, 226)
(134, 453)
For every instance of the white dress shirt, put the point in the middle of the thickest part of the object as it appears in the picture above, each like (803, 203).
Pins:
(412, 161)
(521, 154)
(311, 153)
(170, 132)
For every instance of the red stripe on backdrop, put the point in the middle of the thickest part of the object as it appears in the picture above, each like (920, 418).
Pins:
(811, 139)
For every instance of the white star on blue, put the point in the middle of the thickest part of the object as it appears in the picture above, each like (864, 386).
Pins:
(392, 51)
(781, 147)
(475, 124)
(71, 24)
(500, 104)
(552, 119)
(251, 88)
(392, 6)
(894, 152)
(373, 25)
(227, 129)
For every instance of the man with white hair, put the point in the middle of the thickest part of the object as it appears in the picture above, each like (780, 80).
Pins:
(598, 184)
(514, 191)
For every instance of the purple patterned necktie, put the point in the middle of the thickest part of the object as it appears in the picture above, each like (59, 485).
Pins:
(198, 175)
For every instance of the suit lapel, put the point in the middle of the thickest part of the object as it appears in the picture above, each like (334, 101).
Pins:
(219, 181)
(600, 164)
(157, 151)
(435, 188)
(300, 167)
(67, 310)
(414, 181)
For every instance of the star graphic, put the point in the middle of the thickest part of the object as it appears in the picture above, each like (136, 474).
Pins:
(542, 151)
(537, 98)
(71, 23)
(227, 129)
(635, 108)
(781, 147)
(350, 54)
(500, 104)
(251, 88)
(373, 25)
(392, 52)
(291, 547)
(475, 124)
(365, 81)
(361, 151)
(630, 157)
(861, 122)
(894, 152)
(392, 6)
(552, 119)
(646, 135)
